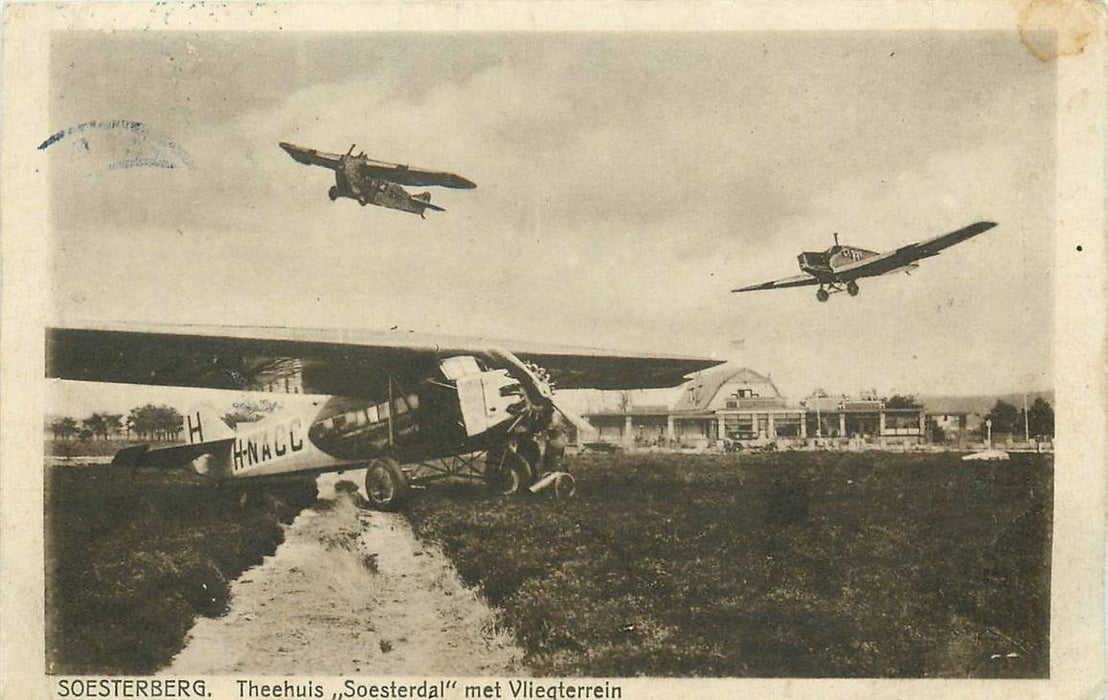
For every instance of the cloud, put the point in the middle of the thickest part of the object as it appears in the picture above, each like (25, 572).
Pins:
(624, 185)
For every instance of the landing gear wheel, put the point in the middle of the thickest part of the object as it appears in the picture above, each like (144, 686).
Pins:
(822, 294)
(852, 288)
(333, 193)
(386, 484)
(510, 476)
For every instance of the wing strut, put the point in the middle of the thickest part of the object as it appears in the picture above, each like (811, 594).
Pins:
(392, 410)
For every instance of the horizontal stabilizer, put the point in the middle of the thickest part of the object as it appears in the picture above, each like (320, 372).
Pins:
(200, 456)
(130, 456)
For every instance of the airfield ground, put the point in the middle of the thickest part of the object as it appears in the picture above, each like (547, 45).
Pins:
(757, 565)
(133, 556)
(768, 565)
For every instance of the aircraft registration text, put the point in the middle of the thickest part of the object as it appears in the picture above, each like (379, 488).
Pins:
(268, 443)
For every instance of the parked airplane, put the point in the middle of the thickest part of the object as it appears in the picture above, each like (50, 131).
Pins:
(439, 406)
(370, 181)
(839, 267)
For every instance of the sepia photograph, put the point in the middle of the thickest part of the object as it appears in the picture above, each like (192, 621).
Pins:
(610, 352)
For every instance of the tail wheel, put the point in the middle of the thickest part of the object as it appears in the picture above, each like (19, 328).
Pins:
(386, 484)
(511, 474)
(852, 288)
(822, 294)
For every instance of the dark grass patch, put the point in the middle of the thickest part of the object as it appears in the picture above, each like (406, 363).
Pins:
(133, 556)
(767, 565)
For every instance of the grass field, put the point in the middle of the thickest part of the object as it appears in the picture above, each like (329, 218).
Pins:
(767, 565)
(132, 556)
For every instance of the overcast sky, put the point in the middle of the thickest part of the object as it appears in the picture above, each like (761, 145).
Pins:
(626, 182)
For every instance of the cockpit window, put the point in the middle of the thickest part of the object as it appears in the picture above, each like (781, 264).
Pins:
(810, 259)
(454, 368)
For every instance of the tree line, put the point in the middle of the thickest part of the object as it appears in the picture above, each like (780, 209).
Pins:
(1006, 418)
(147, 422)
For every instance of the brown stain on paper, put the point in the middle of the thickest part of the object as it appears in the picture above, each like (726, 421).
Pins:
(1053, 28)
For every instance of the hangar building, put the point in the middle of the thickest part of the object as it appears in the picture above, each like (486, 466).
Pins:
(729, 405)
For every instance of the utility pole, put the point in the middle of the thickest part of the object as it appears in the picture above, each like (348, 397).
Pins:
(1026, 431)
(819, 420)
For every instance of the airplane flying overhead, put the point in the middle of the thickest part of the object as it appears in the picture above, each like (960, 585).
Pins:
(376, 182)
(839, 267)
(412, 409)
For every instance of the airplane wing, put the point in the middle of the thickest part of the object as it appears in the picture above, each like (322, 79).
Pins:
(322, 361)
(310, 156)
(416, 177)
(906, 255)
(797, 281)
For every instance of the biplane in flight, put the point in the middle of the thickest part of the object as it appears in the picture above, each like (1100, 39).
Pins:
(369, 181)
(412, 409)
(840, 267)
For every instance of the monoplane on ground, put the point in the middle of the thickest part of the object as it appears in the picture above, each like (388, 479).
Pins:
(839, 267)
(413, 409)
(369, 181)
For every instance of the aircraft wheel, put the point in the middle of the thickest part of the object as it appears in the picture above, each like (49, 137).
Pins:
(386, 484)
(822, 295)
(511, 476)
(852, 289)
(333, 193)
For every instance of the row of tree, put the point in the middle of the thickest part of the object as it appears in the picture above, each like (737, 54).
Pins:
(147, 422)
(1038, 418)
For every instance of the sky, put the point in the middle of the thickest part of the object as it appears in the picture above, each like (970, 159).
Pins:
(625, 183)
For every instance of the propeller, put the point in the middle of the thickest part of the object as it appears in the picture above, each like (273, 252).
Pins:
(539, 390)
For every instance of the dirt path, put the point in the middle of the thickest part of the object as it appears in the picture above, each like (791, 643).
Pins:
(350, 592)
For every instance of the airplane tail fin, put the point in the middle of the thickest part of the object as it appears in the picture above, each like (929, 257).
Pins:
(207, 459)
(203, 424)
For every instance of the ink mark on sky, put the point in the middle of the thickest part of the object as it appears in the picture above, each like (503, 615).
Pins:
(143, 148)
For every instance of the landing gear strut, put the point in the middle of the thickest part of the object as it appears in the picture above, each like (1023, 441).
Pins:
(827, 289)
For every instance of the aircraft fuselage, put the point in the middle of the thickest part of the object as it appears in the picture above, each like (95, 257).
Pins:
(824, 265)
(351, 183)
(464, 408)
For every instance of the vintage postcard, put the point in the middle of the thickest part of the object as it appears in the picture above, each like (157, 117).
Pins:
(553, 350)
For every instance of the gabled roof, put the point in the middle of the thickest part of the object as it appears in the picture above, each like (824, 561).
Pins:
(697, 393)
